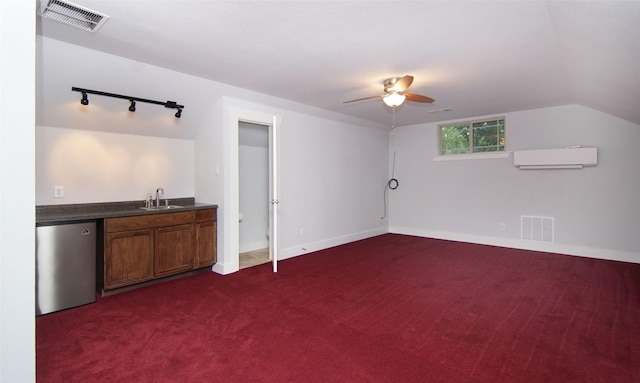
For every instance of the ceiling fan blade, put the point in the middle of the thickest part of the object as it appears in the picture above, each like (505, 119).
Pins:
(361, 99)
(397, 85)
(419, 98)
(403, 83)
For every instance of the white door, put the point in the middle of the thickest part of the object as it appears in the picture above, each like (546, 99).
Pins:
(273, 193)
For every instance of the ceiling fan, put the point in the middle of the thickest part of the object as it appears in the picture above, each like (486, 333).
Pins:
(394, 95)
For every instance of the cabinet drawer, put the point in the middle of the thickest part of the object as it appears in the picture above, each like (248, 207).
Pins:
(113, 225)
(205, 215)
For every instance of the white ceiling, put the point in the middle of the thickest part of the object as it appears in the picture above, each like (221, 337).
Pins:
(475, 57)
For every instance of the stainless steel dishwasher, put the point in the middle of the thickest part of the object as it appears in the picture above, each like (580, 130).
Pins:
(65, 266)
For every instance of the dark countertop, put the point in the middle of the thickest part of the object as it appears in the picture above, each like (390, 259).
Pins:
(60, 214)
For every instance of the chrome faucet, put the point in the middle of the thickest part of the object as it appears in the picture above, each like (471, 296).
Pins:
(159, 191)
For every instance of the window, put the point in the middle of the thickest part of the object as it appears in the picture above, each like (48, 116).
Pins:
(472, 136)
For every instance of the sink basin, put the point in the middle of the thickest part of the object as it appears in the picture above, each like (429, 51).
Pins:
(156, 208)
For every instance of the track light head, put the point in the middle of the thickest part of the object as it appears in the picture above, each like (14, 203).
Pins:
(132, 107)
(179, 113)
(84, 100)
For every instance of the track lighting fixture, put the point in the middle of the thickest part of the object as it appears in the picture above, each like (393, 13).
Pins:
(132, 106)
(85, 100)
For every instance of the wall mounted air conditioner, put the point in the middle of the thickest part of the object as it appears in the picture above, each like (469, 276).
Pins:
(568, 158)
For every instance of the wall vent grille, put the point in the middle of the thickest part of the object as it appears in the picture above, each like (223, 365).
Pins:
(72, 14)
(537, 229)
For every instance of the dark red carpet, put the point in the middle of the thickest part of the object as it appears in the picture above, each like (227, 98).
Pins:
(387, 309)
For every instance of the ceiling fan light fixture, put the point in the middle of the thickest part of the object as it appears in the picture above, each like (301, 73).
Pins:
(395, 92)
(393, 99)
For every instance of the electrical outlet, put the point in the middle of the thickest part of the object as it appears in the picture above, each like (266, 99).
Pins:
(58, 192)
(302, 231)
(502, 227)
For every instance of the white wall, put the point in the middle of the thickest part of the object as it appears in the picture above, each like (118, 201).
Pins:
(17, 184)
(333, 178)
(61, 66)
(332, 175)
(102, 167)
(595, 209)
(333, 167)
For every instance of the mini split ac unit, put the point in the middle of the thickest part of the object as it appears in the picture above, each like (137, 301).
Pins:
(567, 158)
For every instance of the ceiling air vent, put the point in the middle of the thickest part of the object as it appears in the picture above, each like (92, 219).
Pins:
(72, 14)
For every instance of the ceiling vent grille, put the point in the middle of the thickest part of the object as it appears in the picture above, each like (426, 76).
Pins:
(72, 14)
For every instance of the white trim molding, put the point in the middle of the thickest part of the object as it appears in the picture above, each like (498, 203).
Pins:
(589, 252)
(310, 247)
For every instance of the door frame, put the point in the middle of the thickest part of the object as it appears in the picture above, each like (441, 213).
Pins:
(232, 184)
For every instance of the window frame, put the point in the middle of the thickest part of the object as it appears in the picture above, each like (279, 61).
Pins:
(471, 154)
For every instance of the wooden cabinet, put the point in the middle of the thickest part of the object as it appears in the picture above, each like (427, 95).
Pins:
(206, 238)
(128, 258)
(173, 249)
(141, 248)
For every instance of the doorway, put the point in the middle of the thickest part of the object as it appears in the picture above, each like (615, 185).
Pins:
(253, 184)
(231, 211)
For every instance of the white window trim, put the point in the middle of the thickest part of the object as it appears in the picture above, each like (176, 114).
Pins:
(472, 156)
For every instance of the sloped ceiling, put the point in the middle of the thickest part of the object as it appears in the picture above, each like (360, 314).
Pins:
(475, 57)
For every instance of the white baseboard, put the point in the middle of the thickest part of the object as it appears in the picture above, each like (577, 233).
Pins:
(590, 252)
(224, 268)
(228, 268)
(305, 248)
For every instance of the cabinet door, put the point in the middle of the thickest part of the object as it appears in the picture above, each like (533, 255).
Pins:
(128, 258)
(173, 249)
(206, 243)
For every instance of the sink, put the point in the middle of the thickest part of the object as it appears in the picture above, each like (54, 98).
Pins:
(157, 208)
